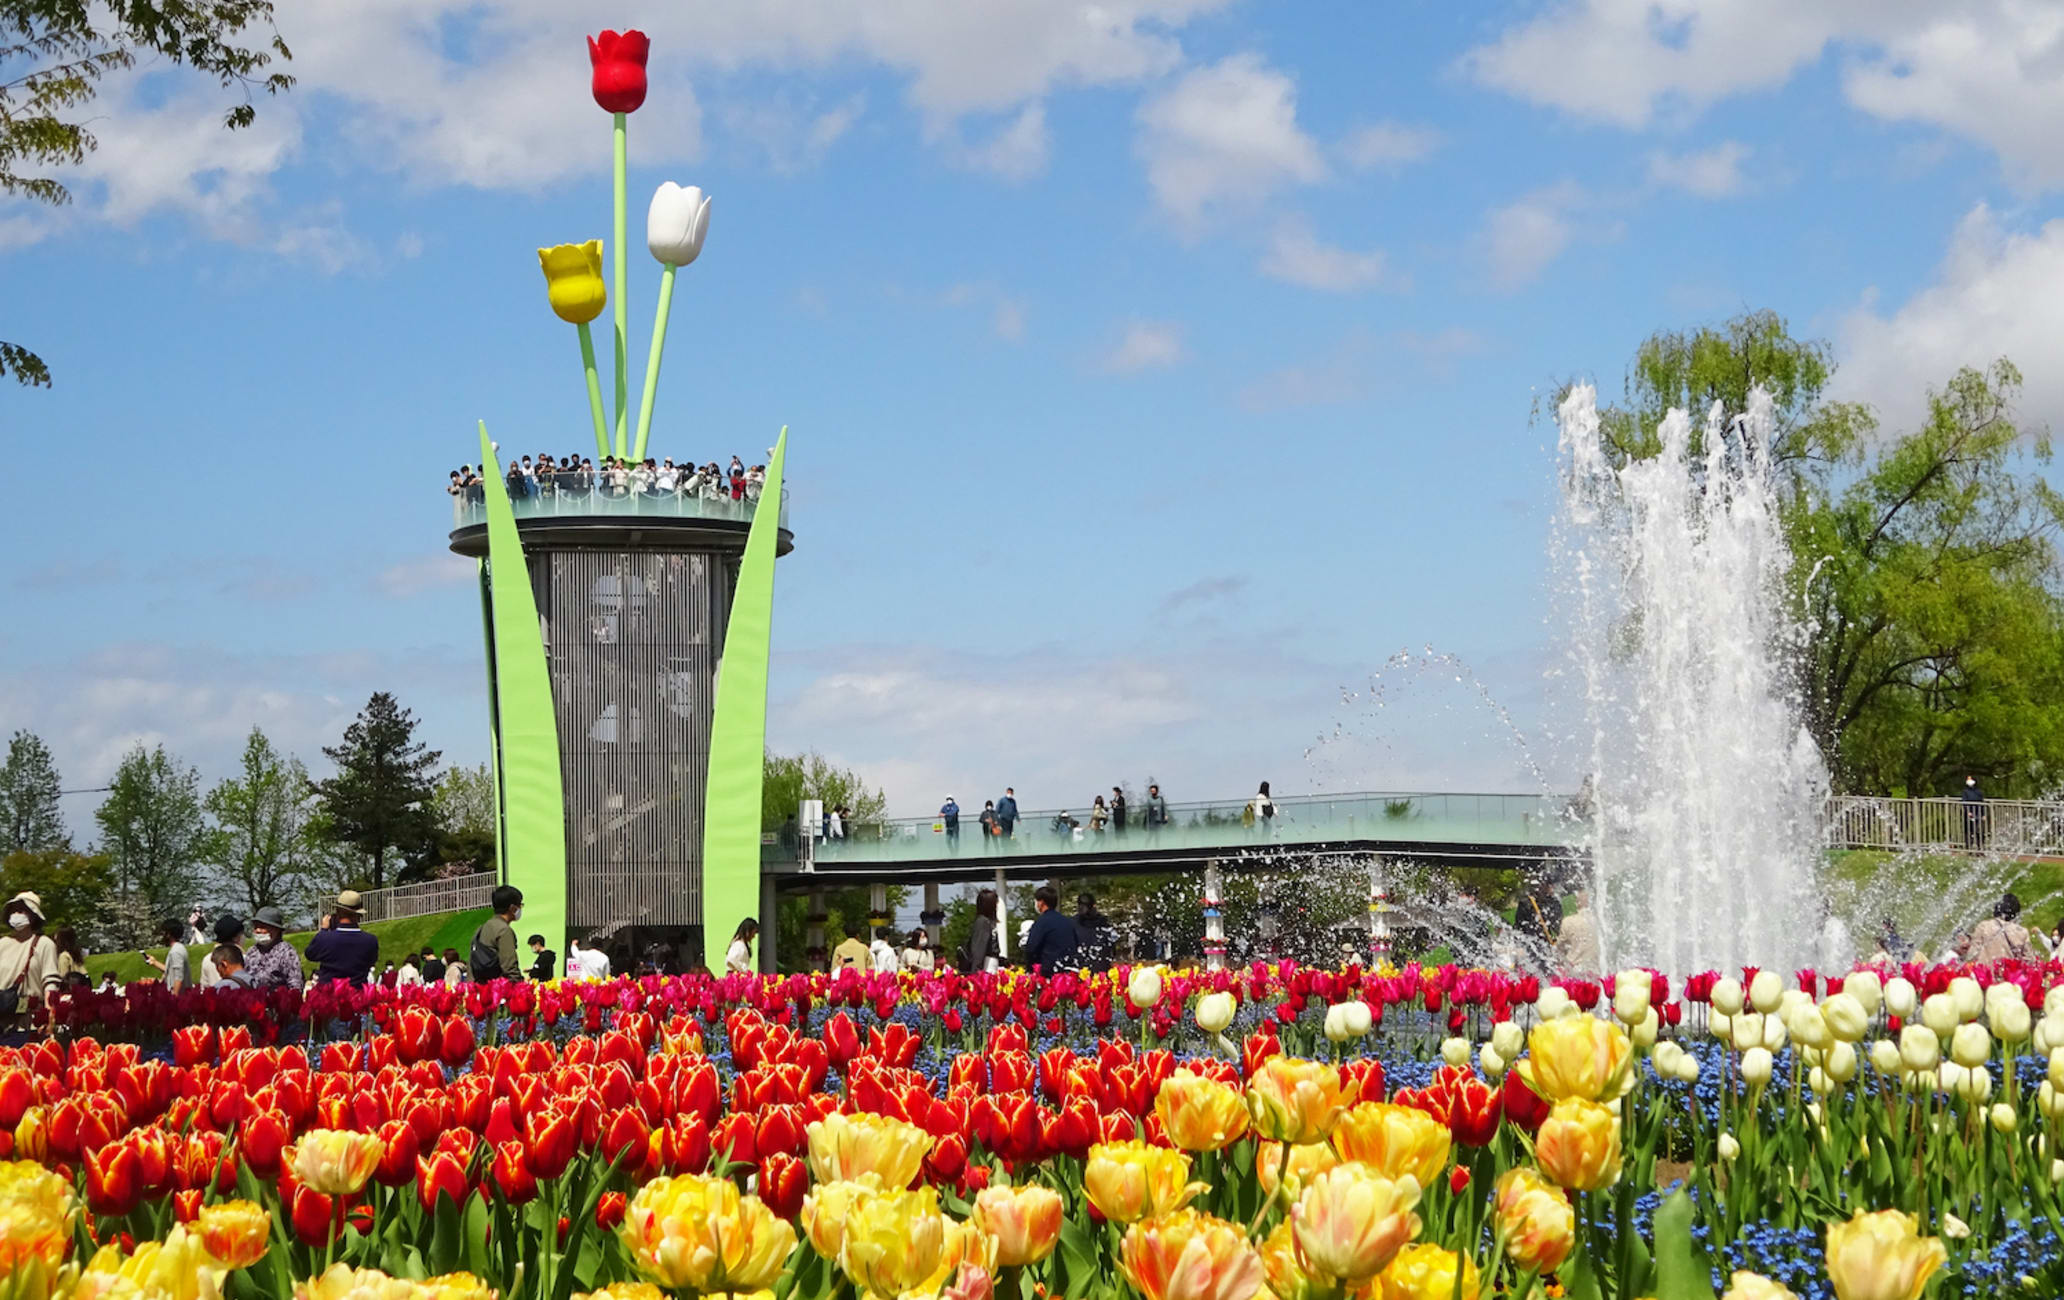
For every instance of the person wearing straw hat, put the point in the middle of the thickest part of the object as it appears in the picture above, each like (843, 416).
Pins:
(342, 951)
(28, 960)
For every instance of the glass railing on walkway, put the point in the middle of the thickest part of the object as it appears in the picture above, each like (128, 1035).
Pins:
(573, 500)
(1299, 819)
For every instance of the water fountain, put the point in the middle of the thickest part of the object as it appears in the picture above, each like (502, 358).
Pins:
(1707, 791)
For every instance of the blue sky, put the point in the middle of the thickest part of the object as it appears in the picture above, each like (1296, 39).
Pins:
(1154, 372)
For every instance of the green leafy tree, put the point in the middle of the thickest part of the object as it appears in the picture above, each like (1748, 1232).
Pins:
(379, 802)
(53, 56)
(30, 820)
(154, 836)
(464, 809)
(73, 886)
(259, 846)
(787, 782)
(1924, 560)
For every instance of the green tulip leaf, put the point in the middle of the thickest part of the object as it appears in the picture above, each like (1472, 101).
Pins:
(1682, 1270)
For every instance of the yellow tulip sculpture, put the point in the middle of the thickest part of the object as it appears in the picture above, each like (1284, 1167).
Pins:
(573, 281)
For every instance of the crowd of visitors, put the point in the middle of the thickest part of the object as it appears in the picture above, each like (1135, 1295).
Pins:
(999, 817)
(578, 476)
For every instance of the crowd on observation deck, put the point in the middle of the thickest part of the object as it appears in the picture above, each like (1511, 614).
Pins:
(575, 475)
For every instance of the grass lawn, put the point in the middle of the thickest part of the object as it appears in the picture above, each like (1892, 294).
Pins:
(1914, 888)
(438, 931)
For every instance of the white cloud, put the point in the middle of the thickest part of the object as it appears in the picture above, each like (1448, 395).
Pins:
(1387, 145)
(1007, 314)
(1147, 345)
(1297, 256)
(1018, 151)
(793, 136)
(433, 572)
(1225, 135)
(1521, 238)
(1713, 173)
(1987, 70)
(1994, 295)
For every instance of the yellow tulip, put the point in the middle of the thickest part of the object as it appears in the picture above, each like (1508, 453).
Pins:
(1351, 1222)
(969, 1254)
(1579, 1145)
(35, 1219)
(1296, 1101)
(1306, 1162)
(895, 1242)
(1024, 1221)
(845, 1147)
(624, 1291)
(826, 1209)
(32, 1134)
(1423, 1271)
(1200, 1114)
(1190, 1256)
(1881, 1256)
(1130, 1181)
(703, 1233)
(177, 1268)
(1745, 1285)
(234, 1232)
(335, 1162)
(343, 1282)
(1536, 1220)
(1285, 1273)
(1578, 1056)
(1394, 1141)
(573, 279)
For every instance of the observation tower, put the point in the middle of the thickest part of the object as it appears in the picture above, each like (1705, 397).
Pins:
(628, 617)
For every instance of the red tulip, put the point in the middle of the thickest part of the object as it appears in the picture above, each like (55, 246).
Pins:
(697, 1092)
(442, 1174)
(313, 1215)
(81, 1123)
(1522, 1105)
(261, 1138)
(731, 1139)
(619, 69)
(204, 1159)
(511, 1175)
(783, 1180)
(399, 1146)
(193, 1044)
(17, 1094)
(841, 1040)
(780, 1131)
(114, 1179)
(1475, 1113)
(1458, 1179)
(682, 1147)
(551, 1136)
(947, 1158)
(609, 1211)
(186, 1206)
(894, 1045)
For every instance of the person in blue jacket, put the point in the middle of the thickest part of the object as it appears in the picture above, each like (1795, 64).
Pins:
(1007, 811)
(949, 812)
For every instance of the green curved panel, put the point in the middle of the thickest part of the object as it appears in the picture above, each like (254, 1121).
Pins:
(738, 734)
(533, 807)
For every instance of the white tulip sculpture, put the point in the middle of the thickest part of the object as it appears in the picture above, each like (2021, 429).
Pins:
(674, 228)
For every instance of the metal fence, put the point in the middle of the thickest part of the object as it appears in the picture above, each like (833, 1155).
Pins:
(2017, 826)
(458, 894)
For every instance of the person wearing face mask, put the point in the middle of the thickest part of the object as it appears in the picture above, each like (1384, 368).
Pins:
(494, 944)
(270, 961)
(28, 960)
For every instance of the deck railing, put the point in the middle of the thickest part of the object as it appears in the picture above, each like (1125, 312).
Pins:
(457, 894)
(2017, 826)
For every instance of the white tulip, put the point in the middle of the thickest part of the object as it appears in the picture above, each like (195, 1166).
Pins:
(2010, 1020)
(1765, 991)
(1729, 1148)
(2050, 1101)
(1490, 1062)
(1143, 990)
(1969, 998)
(1508, 1038)
(1953, 1227)
(1664, 1059)
(2053, 1001)
(1884, 1055)
(1971, 1047)
(1840, 1063)
(1790, 999)
(1727, 997)
(1846, 1019)
(1975, 1086)
(1336, 1027)
(1919, 1048)
(1215, 1012)
(1867, 989)
(1816, 1079)
(1455, 1051)
(1356, 1018)
(1755, 1067)
(2057, 1067)
(1721, 1026)
(676, 223)
(1922, 1083)
(1952, 1076)
(2003, 1117)
(1774, 1035)
(1687, 1068)
(1630, 1002)
(1939, 1014)
(1644, 1034)
(1807, 1027)
(1899, 997)
(1748, 1031)
(2057, 1171)
(1554, 999)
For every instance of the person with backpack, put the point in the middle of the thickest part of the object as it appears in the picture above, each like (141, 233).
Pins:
(494, 943)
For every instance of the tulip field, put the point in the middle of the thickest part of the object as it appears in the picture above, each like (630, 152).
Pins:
(1274, 1132)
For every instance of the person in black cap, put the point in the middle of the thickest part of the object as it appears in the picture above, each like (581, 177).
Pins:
(229, 931)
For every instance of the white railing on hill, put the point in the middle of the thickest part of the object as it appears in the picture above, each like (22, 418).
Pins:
(2014, 826)
(458, 894)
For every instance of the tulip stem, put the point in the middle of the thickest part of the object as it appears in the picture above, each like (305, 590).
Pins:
(623, 319)
(587, 351)
(1282, 1172)
(659, 324)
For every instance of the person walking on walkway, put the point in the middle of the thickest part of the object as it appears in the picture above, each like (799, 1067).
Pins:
(949, 815)
(1261, 810)
(1099, 816)
(987, 821)
(1157, 810)
(494, 943)
(1007, 812)
(1974, 814)
(1117, 810)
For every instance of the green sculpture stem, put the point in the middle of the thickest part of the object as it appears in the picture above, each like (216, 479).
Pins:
(659, 324)
(587, 351)
(623, 319)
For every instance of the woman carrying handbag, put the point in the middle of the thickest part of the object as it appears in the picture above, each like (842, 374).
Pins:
(28, 961)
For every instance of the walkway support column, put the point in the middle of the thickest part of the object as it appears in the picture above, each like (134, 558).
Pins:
(933, 917)
(813, 928)
(770, 925)
(1214, 922)
(1379, 914)
(877, 909)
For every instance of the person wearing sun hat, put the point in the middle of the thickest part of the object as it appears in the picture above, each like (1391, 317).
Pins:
(271, 961)
(342, 951)
(28, 959)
